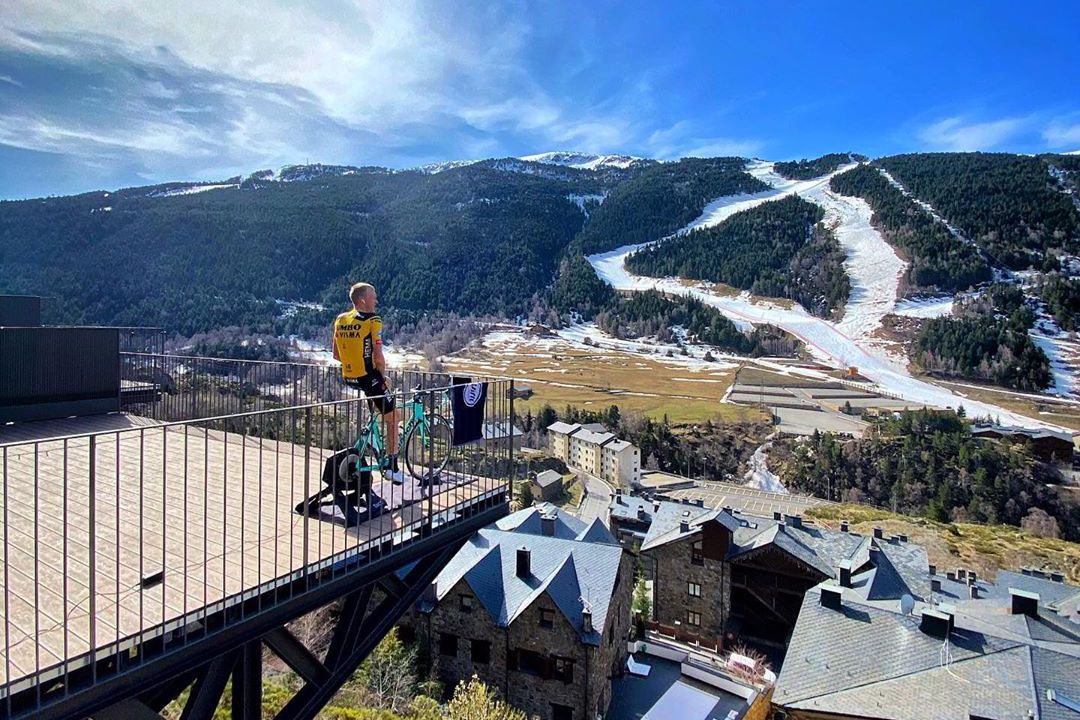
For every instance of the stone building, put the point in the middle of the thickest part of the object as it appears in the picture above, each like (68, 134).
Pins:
(721, 572)
(547, 485)
(538, 607)
(592, 449)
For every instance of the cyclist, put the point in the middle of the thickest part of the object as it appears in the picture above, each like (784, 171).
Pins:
(358, 347)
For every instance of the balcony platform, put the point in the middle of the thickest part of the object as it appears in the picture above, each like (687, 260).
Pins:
(181, 522)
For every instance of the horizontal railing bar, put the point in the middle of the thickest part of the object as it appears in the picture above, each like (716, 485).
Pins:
(233, 416)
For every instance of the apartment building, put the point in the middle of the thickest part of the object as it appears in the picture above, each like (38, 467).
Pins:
(594, 450)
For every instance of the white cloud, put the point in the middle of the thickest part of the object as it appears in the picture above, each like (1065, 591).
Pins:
(680, 140)
(10, 80)
(1059, 134)
(954, 134)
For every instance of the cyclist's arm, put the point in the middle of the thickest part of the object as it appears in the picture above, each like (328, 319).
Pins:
(377, 353)
(337, 356)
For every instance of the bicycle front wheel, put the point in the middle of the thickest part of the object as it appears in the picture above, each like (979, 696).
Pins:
(428, 448)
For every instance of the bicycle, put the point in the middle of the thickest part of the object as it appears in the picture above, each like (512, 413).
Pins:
(426, 438)
(428, 443)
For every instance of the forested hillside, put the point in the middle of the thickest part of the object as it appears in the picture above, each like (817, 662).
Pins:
(1008, 204)
(1062, 297)
(472, 240)
(776, 249)
(987, 341)
(926, 463)
(938, 261)
(662, 198)
(810, 169)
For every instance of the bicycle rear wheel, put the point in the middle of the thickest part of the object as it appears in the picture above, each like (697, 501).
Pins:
(428, 448)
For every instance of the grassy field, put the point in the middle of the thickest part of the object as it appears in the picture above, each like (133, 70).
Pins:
(983, 548)
(594, 379)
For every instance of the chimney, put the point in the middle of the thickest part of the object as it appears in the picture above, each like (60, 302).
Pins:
(933, 569)
(832, 597)
(950, 574)
(586, 620)
(641, 512)
(656, 506)
(879, 533)
(795, 521)
(700, 503)
(972, 577)
(843, 526)
(1039, 574)
(1024, 603)
(547, 525)
(777, 515)
(894, 539)
(618, 492)
(903, 537)
(1025, 571)
(973, 591)
(961, 574)
(845, 573)
(524, 563)
(936, 622)
(684, 526)
(935, 585)
(1057, 577)
(875, 556)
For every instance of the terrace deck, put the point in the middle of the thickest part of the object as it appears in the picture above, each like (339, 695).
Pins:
(212, 510)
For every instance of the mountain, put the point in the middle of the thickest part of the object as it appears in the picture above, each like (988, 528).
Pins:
(490, 236)
(585, 161)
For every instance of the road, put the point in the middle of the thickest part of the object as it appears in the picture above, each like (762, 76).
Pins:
(597, 498)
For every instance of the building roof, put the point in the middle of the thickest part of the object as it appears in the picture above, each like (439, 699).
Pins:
(563, 428)
(872, 660)
(1033, 433)
(901, 567)
(572, 571)
(617, 445)
(593, 438)
(594, 427)
(625, 507)
(500, 430)
(548, 477)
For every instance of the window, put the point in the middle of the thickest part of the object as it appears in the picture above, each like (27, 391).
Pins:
(693, 618)
(693, 589)
(563, 670)
(481, 651)
(448, 644)
(696, 558)
(466, 603)
(561, 712)
(547, 618)
(528, 662)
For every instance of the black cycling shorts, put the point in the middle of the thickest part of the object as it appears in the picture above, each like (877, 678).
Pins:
(373, 386)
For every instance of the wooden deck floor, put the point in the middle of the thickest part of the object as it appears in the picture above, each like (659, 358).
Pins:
(212, 510)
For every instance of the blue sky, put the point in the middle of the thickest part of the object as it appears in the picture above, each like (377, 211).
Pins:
(124, 92)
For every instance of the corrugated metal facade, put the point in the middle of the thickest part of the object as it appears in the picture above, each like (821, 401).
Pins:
(55, 372)
(20, 311)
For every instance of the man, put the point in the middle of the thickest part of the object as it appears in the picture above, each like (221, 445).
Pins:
(358, 347)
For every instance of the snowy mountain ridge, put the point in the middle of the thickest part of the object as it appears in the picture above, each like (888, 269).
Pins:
(584, 161)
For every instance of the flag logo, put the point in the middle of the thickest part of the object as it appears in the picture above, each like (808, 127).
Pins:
(472, 393)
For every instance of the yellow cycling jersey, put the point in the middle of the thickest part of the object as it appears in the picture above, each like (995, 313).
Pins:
(356, 334)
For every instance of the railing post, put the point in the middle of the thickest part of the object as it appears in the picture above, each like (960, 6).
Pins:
(307, 484)
(292, 377)
(513, 467)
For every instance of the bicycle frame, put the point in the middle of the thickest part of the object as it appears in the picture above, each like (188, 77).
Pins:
(371, 438)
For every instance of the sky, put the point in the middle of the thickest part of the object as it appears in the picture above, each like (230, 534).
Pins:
(117, 93)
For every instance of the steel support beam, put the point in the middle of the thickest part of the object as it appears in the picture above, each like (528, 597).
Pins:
(247, 683)
(206, 694)
(353, 642)
(299, 658)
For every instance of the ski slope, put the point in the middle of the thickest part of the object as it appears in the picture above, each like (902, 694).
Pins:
(840, 345)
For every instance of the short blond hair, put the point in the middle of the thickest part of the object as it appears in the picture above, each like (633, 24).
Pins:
(359, 290)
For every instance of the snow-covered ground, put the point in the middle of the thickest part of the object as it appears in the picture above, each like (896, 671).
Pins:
(824, 339)
(759, 475)
(193, 189)
(315, 352)
(925, 307)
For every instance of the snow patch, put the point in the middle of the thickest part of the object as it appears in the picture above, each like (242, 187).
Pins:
(759, 475)
(933, 307)
(584, 161)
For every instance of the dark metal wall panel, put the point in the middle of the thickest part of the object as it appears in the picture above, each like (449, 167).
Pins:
(20, 311)
(66, 368)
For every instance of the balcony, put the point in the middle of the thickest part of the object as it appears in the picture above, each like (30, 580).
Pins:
(139, 535)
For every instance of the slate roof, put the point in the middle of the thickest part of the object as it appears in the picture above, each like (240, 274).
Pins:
(593, 438)
(579, 562)
(548, 477)
(625, 507)
(902, 566)
(870, 660)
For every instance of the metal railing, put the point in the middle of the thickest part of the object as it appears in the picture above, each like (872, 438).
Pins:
(124, 546)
